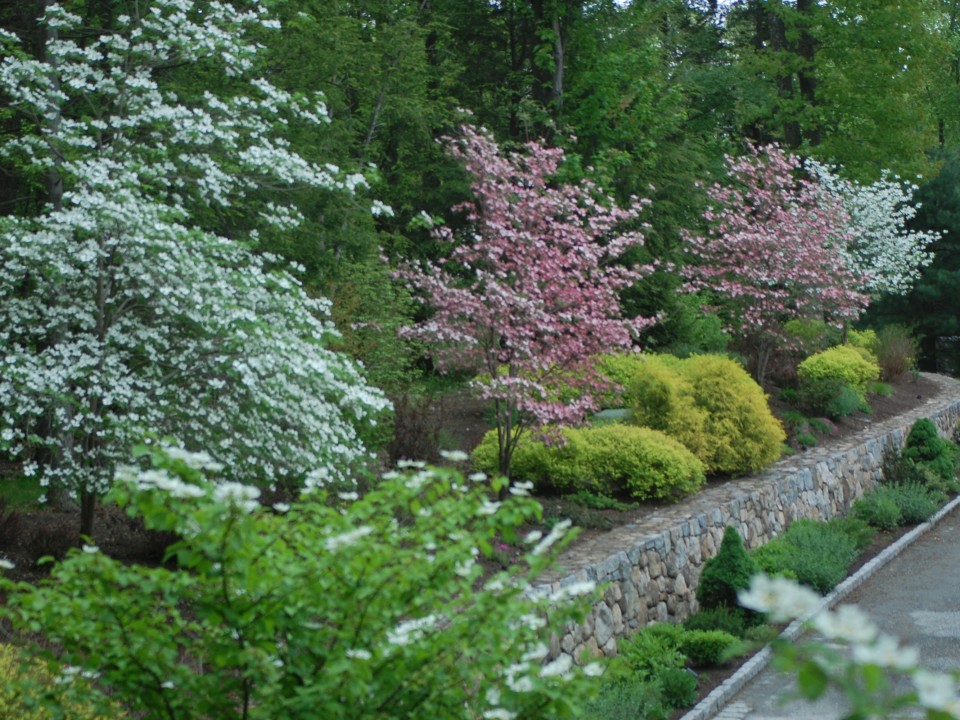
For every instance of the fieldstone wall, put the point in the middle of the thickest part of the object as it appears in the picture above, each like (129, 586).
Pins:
(650, 569)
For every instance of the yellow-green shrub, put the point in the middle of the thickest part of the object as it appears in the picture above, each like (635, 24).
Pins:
(844, 363)
(742, 434)
(612, 460)
(623, 368)
(660, 397)
(14, 705)
(866, 339)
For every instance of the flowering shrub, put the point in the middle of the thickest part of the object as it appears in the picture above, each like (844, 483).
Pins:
(119, 312)
(334, 606)
(529, 293)
(853, 655)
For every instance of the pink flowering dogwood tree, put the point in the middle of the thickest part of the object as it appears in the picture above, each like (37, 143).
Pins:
(528, 295)
(775, 250)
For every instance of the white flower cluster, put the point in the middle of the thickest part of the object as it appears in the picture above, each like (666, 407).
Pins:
(848, 625)
(885, 252)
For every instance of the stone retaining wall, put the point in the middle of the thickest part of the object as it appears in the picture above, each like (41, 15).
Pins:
(650, 569)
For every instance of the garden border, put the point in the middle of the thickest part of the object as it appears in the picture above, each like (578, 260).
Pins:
(649, 570)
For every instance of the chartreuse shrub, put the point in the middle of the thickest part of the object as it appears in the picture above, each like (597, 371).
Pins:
(844, 364)
(865, 339)
(817, 554)
(331, 607)
(742, 433)
(24, 685)
(612, 460)
(726, 573)
(707, 402)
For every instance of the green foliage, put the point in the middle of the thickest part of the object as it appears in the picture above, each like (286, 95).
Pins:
(881, 389)
(611, 460)
(710, 648)
(866, 339)
(806, 440)
(829, 396)
(594, 501)
(878, 509)
(707, 402)
(729, 619)
(649, 652)
(332, 607)
(773, 558)
(811, 336)
(843, 363)
(27, 690)
(628, 699)
(817, 554)
(925, 449)
(679, 687)
(728, 572)
(857, 529)
(915, 501)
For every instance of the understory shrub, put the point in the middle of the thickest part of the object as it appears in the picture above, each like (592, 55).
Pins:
(707, 402)
(273, 629)
(830, 397)
(679, 687)
(865, 339)
(878, 509)
(817, 554)
(23, 686)
(914, 502)
(726, 573)
(896, 352)
(612, 460)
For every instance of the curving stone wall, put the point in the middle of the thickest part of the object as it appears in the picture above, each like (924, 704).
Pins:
(650, 569)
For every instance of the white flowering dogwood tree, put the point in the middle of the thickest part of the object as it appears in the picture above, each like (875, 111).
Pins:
(887, 254)
(119, 312)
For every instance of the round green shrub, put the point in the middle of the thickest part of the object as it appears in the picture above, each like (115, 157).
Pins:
(643, 463)
(708, 402)
(866, 339)
(710, 648)
(878, 509)
(728, 572)
(613, 460)
(742, 433)
(844, 363)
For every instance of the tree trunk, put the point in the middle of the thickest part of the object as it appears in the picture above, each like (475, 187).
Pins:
(88, 503)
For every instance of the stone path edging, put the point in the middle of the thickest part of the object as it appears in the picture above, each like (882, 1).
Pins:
(714, 704)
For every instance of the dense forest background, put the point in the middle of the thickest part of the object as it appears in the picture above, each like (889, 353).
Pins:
(645, 98)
